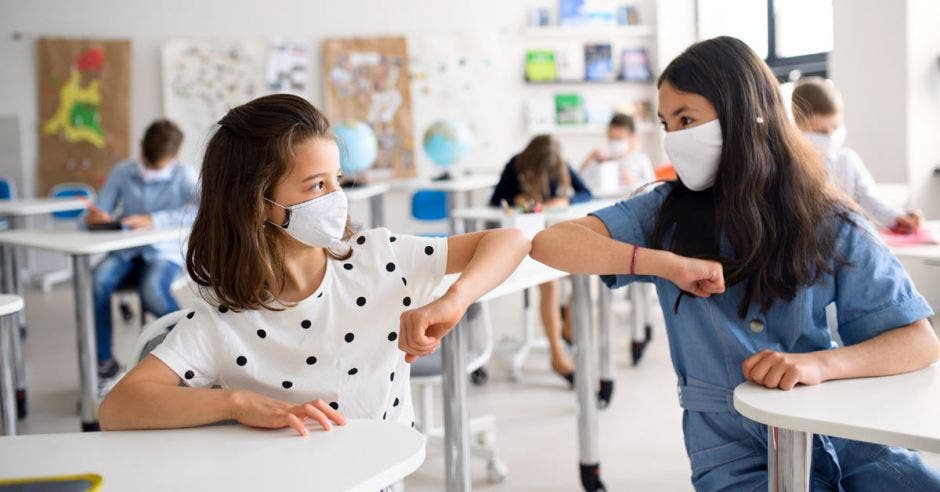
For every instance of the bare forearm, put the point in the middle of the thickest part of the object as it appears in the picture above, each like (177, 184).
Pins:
(574, 248)
(897, 351)
(495, 257)
(150, 405)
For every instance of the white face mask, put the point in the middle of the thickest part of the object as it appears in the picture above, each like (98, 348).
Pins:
(319, 223)
(617, 148)
(828, 144)
(150, 175)
(695, 153)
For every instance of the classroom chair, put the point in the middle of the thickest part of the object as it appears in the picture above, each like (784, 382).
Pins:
(427, 374)
(67, 217)
(429, 206)
(7, 192)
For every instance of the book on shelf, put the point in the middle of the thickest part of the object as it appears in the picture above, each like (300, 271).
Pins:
(570, 61)
(569, 109)
(540, 66)
(598, 62)
(580, 13)
(635, 65)
(628, 15)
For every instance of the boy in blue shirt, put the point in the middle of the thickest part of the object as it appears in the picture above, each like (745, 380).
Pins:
(154, 191)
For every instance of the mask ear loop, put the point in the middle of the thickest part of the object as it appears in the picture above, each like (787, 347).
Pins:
(287, 214)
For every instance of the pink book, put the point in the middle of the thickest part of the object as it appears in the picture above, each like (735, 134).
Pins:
(921, 237)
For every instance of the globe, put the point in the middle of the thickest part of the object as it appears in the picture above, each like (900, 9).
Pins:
(358, 146)
(446, 142)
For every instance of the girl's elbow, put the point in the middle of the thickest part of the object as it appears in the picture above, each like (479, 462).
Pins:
(540, 246)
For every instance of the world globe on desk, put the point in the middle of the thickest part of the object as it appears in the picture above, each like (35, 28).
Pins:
(358, 148)
(446, 142)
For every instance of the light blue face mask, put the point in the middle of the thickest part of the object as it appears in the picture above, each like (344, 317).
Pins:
(319, 223)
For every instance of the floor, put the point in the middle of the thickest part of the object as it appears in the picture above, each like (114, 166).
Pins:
(641, 440)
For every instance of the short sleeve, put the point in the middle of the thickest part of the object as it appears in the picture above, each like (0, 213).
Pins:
(423, 262)
(188, 348)
(874, 293)
(632, 222)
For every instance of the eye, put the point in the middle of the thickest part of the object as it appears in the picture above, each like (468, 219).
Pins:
(319, 185)
(663, 123)
(685, 121)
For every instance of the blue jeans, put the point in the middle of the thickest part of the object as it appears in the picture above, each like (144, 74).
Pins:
(155, 277)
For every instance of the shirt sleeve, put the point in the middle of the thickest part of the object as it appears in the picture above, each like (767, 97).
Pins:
(508, 186)
(866, 191)
(632, 222)
(423, 262)
(874, 294)
(109, 196)
(581, 191)
(188, 348)
(185, 214)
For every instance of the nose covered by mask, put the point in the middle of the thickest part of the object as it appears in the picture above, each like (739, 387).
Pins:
(150, 175)
(319, 223)
(828, 144)
(617, 148)
(695, 153)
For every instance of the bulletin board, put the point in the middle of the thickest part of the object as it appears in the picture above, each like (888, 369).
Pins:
(367, 80)
(84, 101)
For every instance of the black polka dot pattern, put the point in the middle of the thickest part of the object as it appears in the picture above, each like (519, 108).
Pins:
(305, 324)
(320, 295)
(311, 360)
(223, 309)
(392, 336)
(353, 371)
(262, 333)
(349, 337)
(428, 250)
(190, 315)
(361, 301)
(361, 240)
(406, 301)
(241, 360)
(334, 405)
(287, 384)
(385, 414)
(392, 239)
(347, 266)
(395, 403)
(404, 281)
(189, 375)
(412, 424)
(390, 267)
(392, 377)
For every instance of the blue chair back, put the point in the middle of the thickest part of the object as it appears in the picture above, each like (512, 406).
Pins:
(429, 205)
(7, 190)
(71, 190)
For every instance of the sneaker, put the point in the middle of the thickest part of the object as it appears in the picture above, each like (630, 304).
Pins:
(108, 369)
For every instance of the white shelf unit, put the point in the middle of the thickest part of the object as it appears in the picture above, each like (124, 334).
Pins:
(589, 32)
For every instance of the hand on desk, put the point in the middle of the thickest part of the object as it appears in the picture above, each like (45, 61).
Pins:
(255, 410)
(908, 223)
(422, 329)
(97, 216)
(140, 221)
(782, 370)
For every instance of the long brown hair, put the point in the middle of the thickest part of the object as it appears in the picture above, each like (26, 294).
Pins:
(236, 259)
(771, 199)
(541, 164)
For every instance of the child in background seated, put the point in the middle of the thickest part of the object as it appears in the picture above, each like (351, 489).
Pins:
(635, 167)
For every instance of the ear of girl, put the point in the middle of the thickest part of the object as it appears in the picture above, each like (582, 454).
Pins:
(752, 195)
(302, 321)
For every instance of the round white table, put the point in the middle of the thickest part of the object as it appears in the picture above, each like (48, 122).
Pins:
(893, 410)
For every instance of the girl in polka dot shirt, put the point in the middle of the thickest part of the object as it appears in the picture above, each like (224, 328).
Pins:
(298, 318)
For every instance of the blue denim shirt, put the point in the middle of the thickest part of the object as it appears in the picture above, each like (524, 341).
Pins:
(708, 341)
(171, 203)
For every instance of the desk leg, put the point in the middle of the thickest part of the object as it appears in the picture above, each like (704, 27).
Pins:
(456, 430)
(17, 255)
(528, 337)
(8, 402)
(87, 352)
(451, 220)
(605, 345)
(586, 370)
(377, 210)
(789, 460)
(11, 285)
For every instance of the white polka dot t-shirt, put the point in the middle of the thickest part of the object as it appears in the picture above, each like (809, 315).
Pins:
(339, 345)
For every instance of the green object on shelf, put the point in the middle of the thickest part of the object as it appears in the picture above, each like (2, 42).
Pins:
(569, 109)
(540, 66)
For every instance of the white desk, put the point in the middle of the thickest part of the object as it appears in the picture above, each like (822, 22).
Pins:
(374, 193)
(893, 410)
(362, 456)
(456, 429)
(923, 265)
(9, 305)
(80, 245)
(23, 207)
(473, 215)
(466, 184)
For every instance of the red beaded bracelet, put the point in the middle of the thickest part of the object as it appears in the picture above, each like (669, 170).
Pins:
(633, 261)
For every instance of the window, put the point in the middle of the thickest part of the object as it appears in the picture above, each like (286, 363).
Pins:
(791, 35)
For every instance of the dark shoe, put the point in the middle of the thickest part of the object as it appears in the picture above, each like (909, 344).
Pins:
(108, 369)
(567, 377)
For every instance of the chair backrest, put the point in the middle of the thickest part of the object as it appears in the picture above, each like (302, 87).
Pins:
(429, 205)
(7, 188)
(71, 190)
(155, 331)
(666, 172)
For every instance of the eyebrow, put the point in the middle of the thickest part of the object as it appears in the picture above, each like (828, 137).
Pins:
(315, 176)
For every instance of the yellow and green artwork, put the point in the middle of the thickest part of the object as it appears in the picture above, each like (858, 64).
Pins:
(84, 90)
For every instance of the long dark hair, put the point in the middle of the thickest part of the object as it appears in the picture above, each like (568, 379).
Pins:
(541, 164)
(771, 199)
(233, 254)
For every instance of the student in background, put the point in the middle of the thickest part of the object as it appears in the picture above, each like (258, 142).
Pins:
(539, 174)
(753, 195)
(154, 190)
(817, 110)
(299, 317)
(623, 148)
